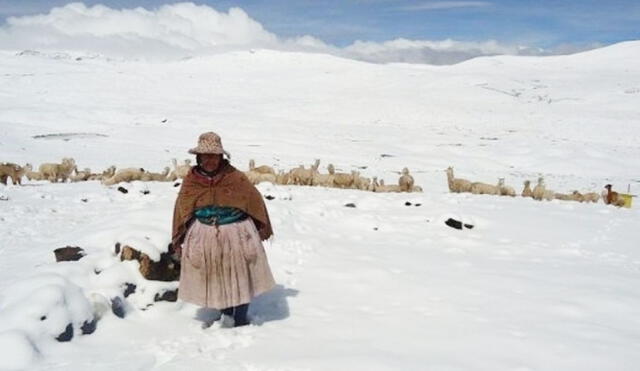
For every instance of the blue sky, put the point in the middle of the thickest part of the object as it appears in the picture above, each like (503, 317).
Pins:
(543, 23)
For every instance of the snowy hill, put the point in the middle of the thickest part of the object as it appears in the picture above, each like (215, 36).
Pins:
(383, 286)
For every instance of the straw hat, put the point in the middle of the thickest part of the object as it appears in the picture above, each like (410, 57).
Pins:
(209, 143)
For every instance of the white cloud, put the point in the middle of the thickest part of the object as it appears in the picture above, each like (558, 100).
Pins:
(440, 5)
(186, 29)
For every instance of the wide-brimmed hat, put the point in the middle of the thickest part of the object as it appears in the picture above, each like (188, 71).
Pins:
(209, 143)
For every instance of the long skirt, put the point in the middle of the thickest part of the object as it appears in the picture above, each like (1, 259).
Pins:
(223, 266)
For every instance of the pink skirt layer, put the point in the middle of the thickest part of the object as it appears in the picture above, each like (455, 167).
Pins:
(223, 266)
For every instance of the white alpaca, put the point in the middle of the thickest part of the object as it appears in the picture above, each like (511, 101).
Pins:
(505, 190)
(539, 189)
(81, 176)
(257, 178)
(406, 181)
(324, 180)
(179, 171)
(157, 177)
(264, 169)
(457, 184)
(106, 174)
(32, 175)
(124, 175)
(480, 188)
(381, 187)
(282, 178)
(303, 176)
(344, 180)
(54, 172)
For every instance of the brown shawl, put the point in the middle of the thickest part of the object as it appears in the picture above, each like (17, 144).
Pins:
(229, 187)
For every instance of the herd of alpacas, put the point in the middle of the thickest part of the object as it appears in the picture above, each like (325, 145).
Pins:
(539, 192)
(67, 170)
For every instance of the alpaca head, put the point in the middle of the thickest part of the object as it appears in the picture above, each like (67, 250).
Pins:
(527, 183)
(608, 187)
(28, 167)
(252, 164)
(501, 182)
(405, 171)
(331, 169)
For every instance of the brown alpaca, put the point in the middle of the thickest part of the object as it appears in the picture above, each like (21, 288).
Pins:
(613, 198)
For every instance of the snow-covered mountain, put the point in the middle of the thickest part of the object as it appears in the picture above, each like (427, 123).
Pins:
(383, 286)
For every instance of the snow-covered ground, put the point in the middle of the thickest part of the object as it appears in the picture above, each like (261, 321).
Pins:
(382, 286)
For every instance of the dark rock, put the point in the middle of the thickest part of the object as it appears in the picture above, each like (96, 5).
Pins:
(67, 335)
(163, 121)
(375, 228)
(145, 192)
(453, 223)
(269, 197)
(350, 204)
(89, 327)
(385, 155)
(469, 226)
(68, 253)
(117, 307)
(117, 248)
(169, 295)
(408, 203)
(123, 190)
(417, 205)
(84, 199)
(176, 184)
(43, 318)
(129, 288)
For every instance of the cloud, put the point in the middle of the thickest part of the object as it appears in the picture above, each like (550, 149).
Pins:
(441, 5)
(185, 29)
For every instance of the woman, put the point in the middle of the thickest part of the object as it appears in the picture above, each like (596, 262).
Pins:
(219, 222)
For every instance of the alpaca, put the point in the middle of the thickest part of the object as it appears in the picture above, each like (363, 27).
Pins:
(256, 177)
(505, 190)
(406, 181)
(282, 178)
(613, 198)
(158, 177)
(124, 175)
(54, 172)
(302, 176)
(32, 175)
(591, 197)
(106, 174)
(264, 169)
(539, 189)
(324, 180)
(387, 188)
(480, 188)
(179, 171)
(361, 183)
(527, 192)
(11, 170)
(457, 184)
(564, 197)
(344, 180)
(81, 176)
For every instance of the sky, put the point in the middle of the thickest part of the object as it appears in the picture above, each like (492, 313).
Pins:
(351, 26)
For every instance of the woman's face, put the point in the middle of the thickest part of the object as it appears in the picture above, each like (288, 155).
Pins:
(210, 162)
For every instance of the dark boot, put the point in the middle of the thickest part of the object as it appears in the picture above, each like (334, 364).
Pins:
(240, 315)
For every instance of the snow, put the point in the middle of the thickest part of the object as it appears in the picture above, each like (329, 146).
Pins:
(385, 285)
